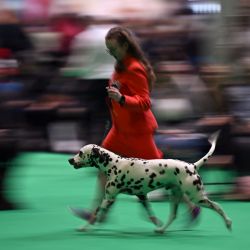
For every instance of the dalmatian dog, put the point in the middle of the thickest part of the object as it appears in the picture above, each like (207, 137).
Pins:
(138, 177)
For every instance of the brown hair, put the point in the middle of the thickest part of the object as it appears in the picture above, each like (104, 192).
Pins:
(122, 35)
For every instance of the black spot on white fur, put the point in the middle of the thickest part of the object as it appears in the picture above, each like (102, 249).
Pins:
(162, 172)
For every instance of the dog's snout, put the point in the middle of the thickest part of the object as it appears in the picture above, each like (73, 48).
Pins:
(71, 161)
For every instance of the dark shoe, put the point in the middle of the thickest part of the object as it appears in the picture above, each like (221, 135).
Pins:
(195, 213)
(81, 213)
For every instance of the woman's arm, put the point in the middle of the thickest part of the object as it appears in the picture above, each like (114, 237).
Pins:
(137, 83)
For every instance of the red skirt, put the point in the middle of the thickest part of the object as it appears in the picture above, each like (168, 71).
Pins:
(135, 146)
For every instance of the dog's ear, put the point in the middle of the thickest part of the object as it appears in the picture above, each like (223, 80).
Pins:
(100, 156)
(95, 153)
(93, 157)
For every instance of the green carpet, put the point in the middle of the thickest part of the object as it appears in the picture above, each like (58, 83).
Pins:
(45, 185)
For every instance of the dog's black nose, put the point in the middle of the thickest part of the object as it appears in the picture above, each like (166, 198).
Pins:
(71, 161)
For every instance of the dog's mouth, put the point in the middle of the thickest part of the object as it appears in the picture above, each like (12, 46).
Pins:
(73, 163)
(76, 164)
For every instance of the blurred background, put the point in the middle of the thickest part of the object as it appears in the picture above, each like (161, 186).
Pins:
(54, 69)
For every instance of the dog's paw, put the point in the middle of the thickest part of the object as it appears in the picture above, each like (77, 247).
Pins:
(85, 228)
(159, 230)
(229, 224)
(82, 229)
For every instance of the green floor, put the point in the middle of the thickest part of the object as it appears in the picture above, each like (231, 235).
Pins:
(45, 185)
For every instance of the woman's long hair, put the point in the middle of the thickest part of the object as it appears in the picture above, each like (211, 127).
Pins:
(122, 35)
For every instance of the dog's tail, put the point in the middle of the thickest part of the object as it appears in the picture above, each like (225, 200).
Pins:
(212, 140)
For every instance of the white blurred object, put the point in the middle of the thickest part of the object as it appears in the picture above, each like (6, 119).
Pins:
(113, 8)
(172, 109)
(63, 137)
(45, 41)
(89, 58)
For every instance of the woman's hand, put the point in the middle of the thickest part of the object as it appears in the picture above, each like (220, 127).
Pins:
(114, 93)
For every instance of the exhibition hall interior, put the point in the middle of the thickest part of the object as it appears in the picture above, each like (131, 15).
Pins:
(54, 70)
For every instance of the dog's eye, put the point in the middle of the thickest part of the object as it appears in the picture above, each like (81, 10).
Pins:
(80, 153)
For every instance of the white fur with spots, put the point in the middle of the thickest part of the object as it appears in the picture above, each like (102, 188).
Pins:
(138, 177)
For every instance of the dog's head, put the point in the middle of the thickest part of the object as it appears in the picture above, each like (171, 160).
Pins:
(90, 155)
(84, 157)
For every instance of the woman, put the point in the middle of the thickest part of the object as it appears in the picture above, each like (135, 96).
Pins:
(133, 123)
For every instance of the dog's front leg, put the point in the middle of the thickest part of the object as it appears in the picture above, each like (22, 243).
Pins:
(176, 198)
(109, 197)
(103, 209)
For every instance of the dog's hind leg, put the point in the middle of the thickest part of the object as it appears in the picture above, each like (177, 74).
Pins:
(175, 200)
(144, 201)
(216, 207)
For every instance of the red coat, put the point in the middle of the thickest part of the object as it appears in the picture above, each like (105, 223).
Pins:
(135, 116)
(133, 123)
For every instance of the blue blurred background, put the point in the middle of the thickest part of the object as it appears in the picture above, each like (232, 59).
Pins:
(54, 69)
